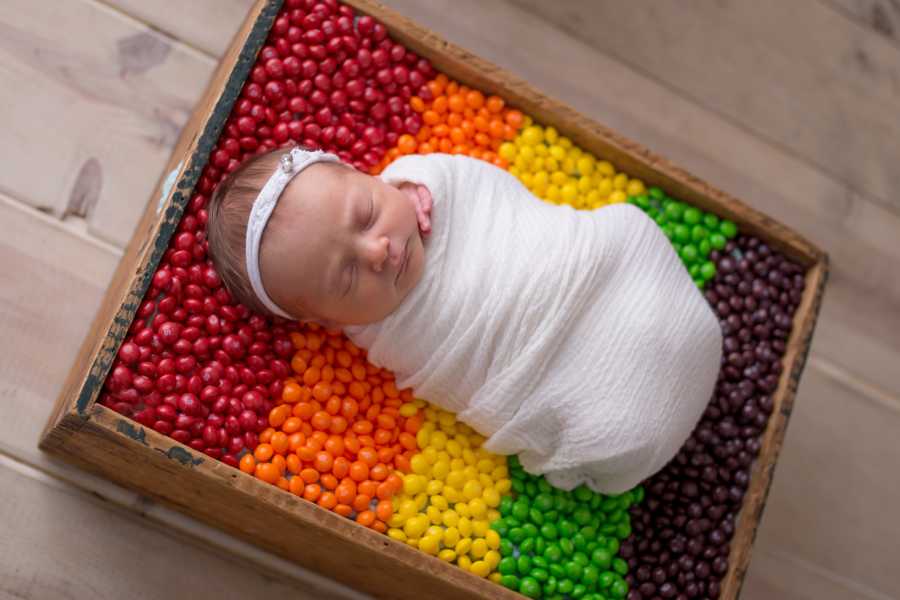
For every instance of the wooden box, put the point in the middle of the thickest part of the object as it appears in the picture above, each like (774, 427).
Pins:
(88, 434)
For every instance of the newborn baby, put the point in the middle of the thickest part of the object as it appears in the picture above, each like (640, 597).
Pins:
(574, 339)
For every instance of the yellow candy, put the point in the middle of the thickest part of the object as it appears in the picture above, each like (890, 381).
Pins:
(465, 526)
(434, 487)
(492, 538)
(440, 502)
(635, 188)
(503, 486)
(480, 527)
(450, 518)
(413, 543)
(408, 410)
(492, 515)
(440, 469)
(507, 151)
(430, 454)
(480, 568)
(451, 494)
(422, 437)
(416, 526)
(551, 135)
(618, 196)
(477, 508)
(421, 501)
(492, 558)
(451, 537)
(495, 577)
(479, 548)
(532, 136)
(434, 514)
(470, 471)
(462, 509)
(413, 484)
(438, 440)
(463, 545)
(491, 497)
(429, 545)
(454, 448)
(464, 562)
(469, 457)
(419, 403)
(472, 489)
(435, 530)
(447, 554)
(396, 534)
(485, 465)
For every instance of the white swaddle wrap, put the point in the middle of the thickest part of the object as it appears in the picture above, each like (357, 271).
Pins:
(574, 339)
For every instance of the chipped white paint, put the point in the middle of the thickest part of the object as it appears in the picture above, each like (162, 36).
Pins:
(167, 186)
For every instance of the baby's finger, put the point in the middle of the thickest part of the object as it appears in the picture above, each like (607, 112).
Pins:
(425, 198)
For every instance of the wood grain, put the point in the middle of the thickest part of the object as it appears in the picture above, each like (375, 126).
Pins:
(205, 24)
(60, 542)
(106, 99)
(830, 96)
(882, 16)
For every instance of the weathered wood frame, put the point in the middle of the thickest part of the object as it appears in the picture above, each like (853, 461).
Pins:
(102, 441)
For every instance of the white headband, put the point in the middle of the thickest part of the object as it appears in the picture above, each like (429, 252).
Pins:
(292, 164)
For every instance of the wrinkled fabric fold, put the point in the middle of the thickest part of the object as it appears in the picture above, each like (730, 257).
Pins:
(574, 339)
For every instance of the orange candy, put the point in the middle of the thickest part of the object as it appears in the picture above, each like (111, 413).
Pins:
(336, 436)
(458, 120)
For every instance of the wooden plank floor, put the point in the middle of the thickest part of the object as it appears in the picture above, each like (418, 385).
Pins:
(791, 106)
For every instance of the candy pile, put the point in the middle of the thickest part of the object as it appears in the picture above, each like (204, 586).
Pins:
(556, 170)
(300, 407)
(694, 234)
(682, 530)
(562, 544)
(451, 495)
(458, 120)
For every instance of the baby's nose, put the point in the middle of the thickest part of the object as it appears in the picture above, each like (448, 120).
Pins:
(376, 252)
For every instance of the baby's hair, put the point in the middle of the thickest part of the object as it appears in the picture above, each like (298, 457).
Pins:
(229, 211)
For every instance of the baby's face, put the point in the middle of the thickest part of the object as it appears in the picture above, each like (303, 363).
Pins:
(346, 247)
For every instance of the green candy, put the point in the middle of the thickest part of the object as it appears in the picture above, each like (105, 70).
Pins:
(728, 229)
(506, 504)
(540, 545)
(578, 591)
(620, 566)
(507, 566)
(557, 571)
(717, 241)
(565, 544)
(689, 253)
(527, 546)
(530, 530)
(623, 530)
(675, 211)
(581, 558)
(692, 216)
(613, 546)
(590, 576)
(694, 271)
(544, 486)
(536, 516)
(606, 579)
(682, 233)
(656, 193)
(524, 565)
(619, 589)
(512, 522)
(516, 535)
(589, 532)
(531, 488)
(550, 586)
(582, 515)
(510, 581)
(540, 574)
(642, 201)
(506, 547)
(551, 515)
(543, 502)
(549, 531)
(553, 553)
(711, 221)
(565, 586)
(698, 232)
(579, 542)
(573, 570)
(704, 247)
(529, 587)
(608, 529)
(595, 501)
(520, 510)
(708, 270)
(602, 558)
(583, 493)
(567, 528)
(518, 486)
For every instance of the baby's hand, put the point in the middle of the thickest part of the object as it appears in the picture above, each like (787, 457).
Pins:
(421, 199)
